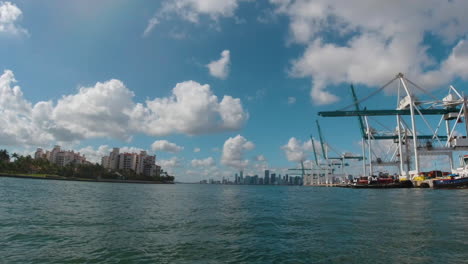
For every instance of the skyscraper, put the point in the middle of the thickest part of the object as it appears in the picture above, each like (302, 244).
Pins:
(266, 179)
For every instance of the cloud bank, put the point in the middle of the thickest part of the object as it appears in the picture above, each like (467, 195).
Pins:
(107, 110)
(370, 45)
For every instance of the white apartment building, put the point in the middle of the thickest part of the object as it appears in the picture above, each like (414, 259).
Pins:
(139, 163)
(60, 157)
(39, 154)
(128, 161)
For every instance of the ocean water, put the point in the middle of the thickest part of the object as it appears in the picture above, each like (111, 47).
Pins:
(79, 222)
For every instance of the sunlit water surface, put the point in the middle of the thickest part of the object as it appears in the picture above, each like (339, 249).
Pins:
(78, 222)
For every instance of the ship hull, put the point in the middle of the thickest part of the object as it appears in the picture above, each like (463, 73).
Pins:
(402, 184)
(451, 183)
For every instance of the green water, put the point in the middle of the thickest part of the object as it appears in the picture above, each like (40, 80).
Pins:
(79, 222)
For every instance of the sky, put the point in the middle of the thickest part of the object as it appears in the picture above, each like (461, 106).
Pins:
(213, 86)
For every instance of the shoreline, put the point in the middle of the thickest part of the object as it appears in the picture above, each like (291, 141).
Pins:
(60, 178)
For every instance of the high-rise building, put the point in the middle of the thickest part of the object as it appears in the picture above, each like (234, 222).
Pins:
(113, 161)
(127, 161)
(142, 163)
(273, 178)
(266, 179)
(247, 180)
(60, 157)
(53, 154)
(105, 161)
(39, 154)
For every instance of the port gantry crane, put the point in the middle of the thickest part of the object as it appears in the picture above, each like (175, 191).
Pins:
(323, 170)
(452, 107)
(320, 169)
(331, 161)
(302, 174)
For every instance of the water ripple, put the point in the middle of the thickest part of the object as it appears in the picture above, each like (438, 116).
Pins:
(79, 222)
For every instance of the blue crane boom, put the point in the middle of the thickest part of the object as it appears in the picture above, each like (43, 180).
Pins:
(360, 113)
(386, 112)
(315, 152)
(356, 106)
(321, 140)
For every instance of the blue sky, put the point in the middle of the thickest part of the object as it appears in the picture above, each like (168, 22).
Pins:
(288, 59)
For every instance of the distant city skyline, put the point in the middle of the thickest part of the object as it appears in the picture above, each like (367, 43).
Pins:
(214, 87)
(268, 179)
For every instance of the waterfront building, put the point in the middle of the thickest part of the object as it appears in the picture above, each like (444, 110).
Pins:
(60, 157)
(141, 163)
(105, 161)
(53, 154)
(297, 180)
(247, 180)
(266, 179)
(112, 160)
(127, 161)
(273, 178)
(39, 154)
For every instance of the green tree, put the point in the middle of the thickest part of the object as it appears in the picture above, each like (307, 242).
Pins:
(4, 156)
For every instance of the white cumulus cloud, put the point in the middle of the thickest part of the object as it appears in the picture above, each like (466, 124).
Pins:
(10, 14)
(95, 155)
(196, 150)
(234, 150)
(260, 158)
(378, 39)
(220, 68)
(107, 110)
(208, 162)
(296, 150)
(192, 10)
(20, 119)
(97, 111)
(170, 165)
(191, 109)
(164, 145)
